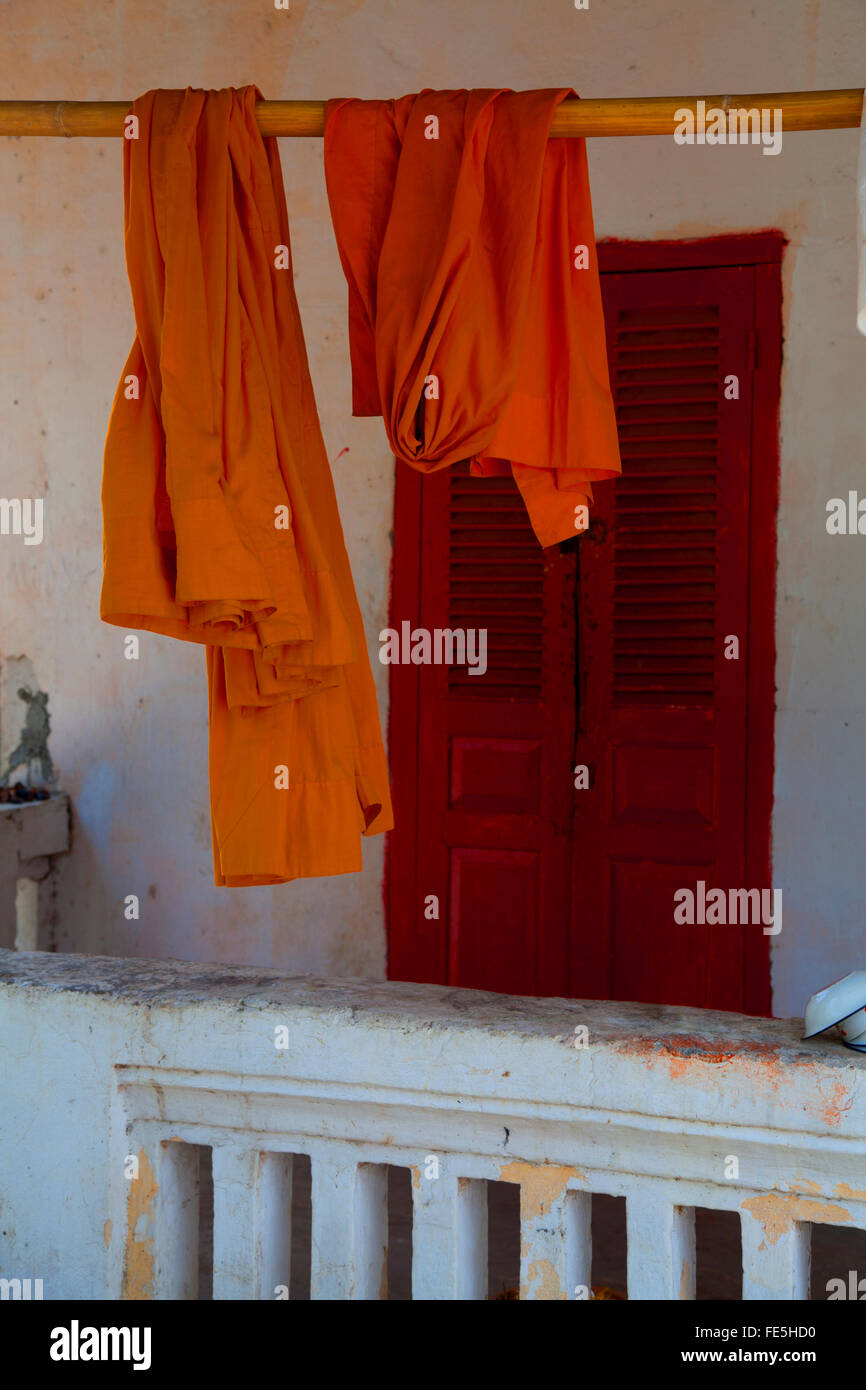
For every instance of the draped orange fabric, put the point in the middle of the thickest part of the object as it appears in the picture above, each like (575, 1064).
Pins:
(475, 318)
(220, 518)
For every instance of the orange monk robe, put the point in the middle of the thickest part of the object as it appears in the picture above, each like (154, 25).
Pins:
(475, 318)
(220, 518)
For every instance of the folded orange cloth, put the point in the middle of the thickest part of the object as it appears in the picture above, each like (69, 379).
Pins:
(475, 318)
(220, 519)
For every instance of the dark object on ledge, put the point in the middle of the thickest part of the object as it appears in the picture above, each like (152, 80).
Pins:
(19, 794)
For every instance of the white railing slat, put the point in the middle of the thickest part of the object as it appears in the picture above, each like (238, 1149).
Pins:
(251, 1222)
(449, 1237)
(176, 1216)
(555, 1242)
(236, 1265)
(776, 1263)
(275, 1223)
(349, 1229)
(661, 1247)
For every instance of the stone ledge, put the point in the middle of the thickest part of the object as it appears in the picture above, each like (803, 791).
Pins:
(660, 1030)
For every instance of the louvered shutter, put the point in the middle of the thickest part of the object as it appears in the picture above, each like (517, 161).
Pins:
(663, 584)
(496, 581)
(666, 384)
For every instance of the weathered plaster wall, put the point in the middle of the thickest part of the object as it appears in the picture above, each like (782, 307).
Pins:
(129, 740)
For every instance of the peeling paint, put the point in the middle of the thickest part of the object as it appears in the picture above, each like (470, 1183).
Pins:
(543, 1282)
(540, 1184)
(138, 1259)
(804, 1185)
(106, 1233)
(851, 1194)
(541, 1187)
(779, 1214)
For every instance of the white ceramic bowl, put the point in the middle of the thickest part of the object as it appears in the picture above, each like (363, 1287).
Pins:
(842, 1002)
(853, 1028)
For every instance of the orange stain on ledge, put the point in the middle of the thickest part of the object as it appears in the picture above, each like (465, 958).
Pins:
(835, 1103)
(746, 1062)
(681, 1051)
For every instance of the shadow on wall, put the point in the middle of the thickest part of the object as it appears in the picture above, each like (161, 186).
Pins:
(25, 726)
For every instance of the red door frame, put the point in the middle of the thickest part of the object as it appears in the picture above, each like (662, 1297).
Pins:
(764, 251)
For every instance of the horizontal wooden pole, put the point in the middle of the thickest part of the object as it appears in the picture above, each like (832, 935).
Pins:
(831, 110)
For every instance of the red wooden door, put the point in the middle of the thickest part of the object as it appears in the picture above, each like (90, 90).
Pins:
(502, 874)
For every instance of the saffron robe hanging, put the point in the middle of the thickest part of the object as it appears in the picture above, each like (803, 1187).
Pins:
(475, 318)
(220, 518)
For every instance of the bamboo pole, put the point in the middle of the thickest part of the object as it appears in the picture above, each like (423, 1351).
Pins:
(828, 110)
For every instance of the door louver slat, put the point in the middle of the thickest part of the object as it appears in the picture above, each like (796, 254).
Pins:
(666, 387)
(495, 581)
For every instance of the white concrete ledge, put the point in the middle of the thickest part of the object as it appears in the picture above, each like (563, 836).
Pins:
(108, 1057)
(30, 833)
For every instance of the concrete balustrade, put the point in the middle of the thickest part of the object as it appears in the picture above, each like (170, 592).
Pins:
(116, 1072)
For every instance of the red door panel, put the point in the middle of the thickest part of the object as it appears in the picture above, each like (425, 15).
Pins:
(489, 829)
